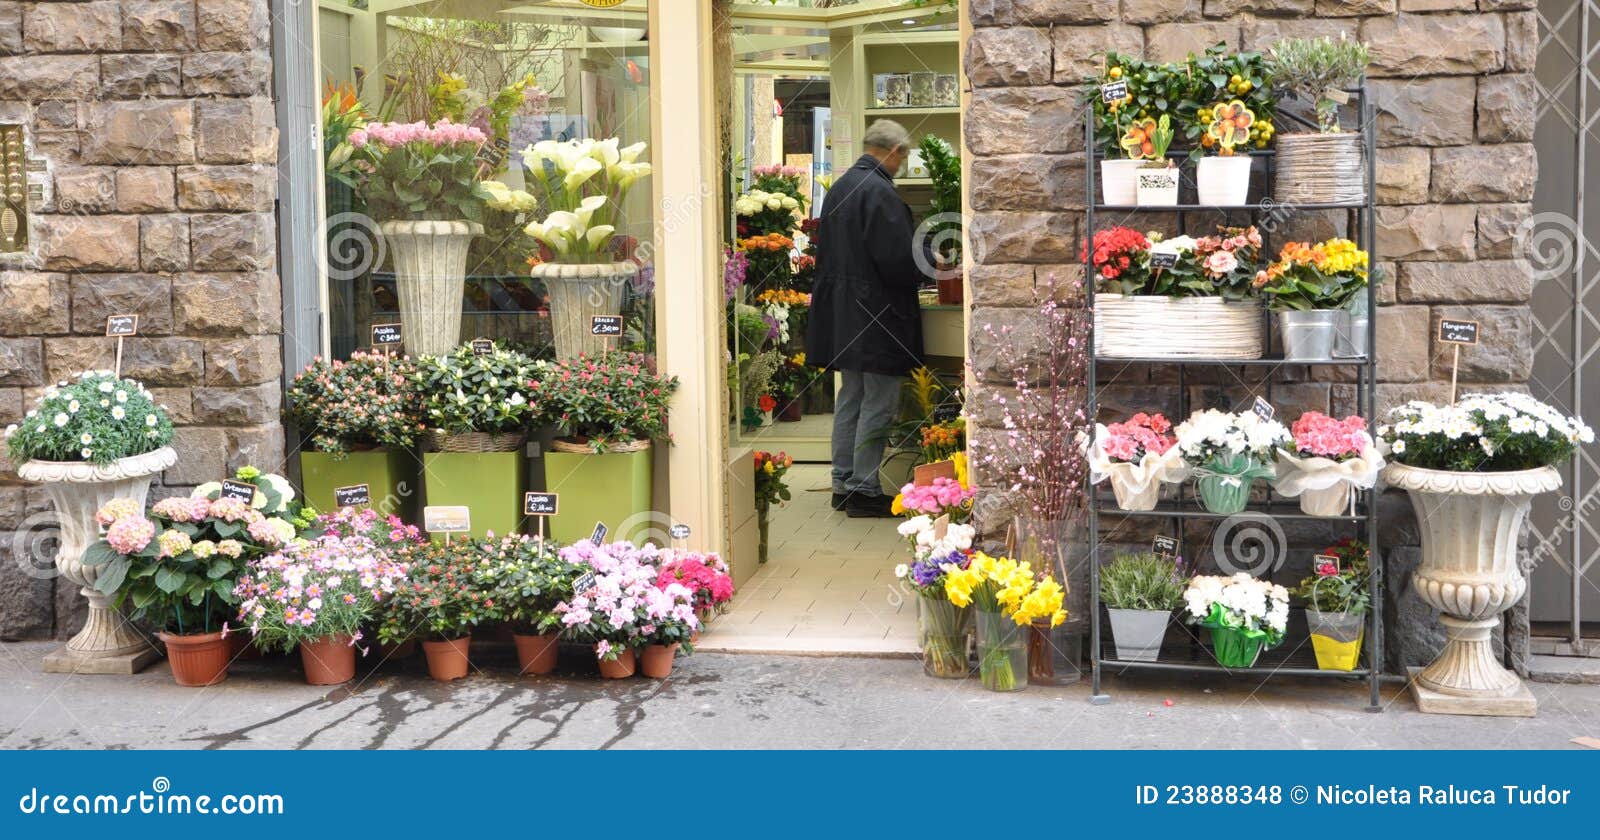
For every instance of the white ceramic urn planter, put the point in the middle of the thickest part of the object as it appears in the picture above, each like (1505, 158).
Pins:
(1469, 572)
(107, 644)
(430, 267)
(578, 292)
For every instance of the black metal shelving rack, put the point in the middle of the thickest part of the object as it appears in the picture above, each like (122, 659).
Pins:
(1288, 659)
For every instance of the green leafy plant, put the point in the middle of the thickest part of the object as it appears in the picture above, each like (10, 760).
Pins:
(468, 392)
(614, 398)
(1312, 68)
(370, 401)
(1183, 89)
(1143, 582)
(1341, 586)
(447, 593)
(528, 578)
(316, 589)
(96, 418)
(1327, 275)
(944, 170)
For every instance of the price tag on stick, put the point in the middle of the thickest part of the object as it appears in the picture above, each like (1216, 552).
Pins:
(1456, 333)
(609, 326)
(120, 327)
(1321, 560)
(1163, 259)
(482, 347)
(540, 505)
(385, 335)
(447, 520)
(244, 491)
(1164, 547)
(599, 535)
(355, 495)
(1264, 410)
(1113, 91)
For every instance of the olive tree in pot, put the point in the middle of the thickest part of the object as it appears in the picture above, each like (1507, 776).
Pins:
(581, 185)
(423, 190)
(1322, 166)
(1472, 469)
(89, 441)
(1140, 592)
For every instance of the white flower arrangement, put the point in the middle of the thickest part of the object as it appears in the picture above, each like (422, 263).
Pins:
(1240, 602)
(1482, 432)
(755, 202)
(1211, 435)
(918, 531)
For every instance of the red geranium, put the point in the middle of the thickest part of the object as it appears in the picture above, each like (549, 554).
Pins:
(1115, 250)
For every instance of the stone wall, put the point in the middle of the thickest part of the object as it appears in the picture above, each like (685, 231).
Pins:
(156, 122)
(1455, 173)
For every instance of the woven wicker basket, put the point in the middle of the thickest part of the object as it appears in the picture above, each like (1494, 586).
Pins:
(1177, 328)
(584, 448)
(1320, 168)
(477, 441)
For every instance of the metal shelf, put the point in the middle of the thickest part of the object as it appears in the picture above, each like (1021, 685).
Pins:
(1293, 657)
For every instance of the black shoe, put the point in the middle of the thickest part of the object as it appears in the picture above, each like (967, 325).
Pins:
(839, 500)
(869, 507)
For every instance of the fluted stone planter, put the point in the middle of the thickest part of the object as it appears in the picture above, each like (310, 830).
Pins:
(430, 267)
(107, 644)
(1469, 572)
(578, 292)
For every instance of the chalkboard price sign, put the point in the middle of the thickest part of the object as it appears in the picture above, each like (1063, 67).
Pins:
(244, 491)
(1113, 91)
(1163, 259)
(482, 347)
(354, 495)
(121, 326)
(1166, 547)
(539, 504)
(599, 535)
(680, 531)
(385, 334)
(1264, 410)
(607, 325)
(1458, 332)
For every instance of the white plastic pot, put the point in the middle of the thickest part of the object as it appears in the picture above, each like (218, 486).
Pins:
(1156, 186)
(1117, 184)
(1223, 181)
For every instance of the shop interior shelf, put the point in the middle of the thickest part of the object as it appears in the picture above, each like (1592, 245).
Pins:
(1188, 509)
(1199, 360)
(1184, 649)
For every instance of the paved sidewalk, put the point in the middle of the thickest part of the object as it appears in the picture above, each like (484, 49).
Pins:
(733, 701)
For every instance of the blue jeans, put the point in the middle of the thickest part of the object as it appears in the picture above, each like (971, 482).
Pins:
(866, 405)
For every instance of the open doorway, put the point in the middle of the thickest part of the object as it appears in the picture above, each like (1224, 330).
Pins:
(804, 97)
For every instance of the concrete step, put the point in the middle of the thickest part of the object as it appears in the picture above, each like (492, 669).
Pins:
(1564, 669)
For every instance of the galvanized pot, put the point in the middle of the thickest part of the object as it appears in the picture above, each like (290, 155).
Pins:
(1309, 336)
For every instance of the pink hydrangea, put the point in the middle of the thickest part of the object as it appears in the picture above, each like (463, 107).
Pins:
(173, 543)
(130, 534)
(231, 510)
(1318, 435)
(180, 509)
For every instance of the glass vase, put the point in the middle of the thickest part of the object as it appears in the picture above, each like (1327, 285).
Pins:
(1055, 654)
(943, 632)
(763, 522)
(1002, 652)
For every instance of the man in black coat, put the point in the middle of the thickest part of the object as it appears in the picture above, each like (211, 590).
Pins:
(865, 322)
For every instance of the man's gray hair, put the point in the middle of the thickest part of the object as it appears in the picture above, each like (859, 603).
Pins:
(887, 135)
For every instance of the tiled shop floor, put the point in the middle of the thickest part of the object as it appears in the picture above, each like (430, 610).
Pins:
(828, 585)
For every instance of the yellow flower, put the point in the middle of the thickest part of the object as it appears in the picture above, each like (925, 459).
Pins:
(898, 506)
(960, 460)
(769, 468)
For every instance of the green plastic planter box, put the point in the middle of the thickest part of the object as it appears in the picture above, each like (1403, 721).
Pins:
(490, 484)
(613, 488)
(389, 475)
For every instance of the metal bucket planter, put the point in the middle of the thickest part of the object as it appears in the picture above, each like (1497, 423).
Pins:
(577, 294)
(1320, 169)
(1138, 633)
(1352, 337)
(1309, 336)
(1336, 638)
(430, 267)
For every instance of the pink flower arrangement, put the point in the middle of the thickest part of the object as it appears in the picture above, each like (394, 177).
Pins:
(117, 509)
(1318, 435)
(1142, 433)
(384, 531)
(624, 606)
(233, 510)
(774, 170)
(944, 495)
(183, 509)
(392, 135)
(705, 575)
(316, 589)
(130, 534)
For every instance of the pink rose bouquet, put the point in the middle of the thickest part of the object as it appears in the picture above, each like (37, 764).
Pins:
(943, 496)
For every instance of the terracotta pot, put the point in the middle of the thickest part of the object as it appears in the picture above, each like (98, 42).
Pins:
(328, 661)
(656, 661)
(537, 654)
(240, 648)
(952, 291)
(447, 660)
(619, 668)
(197, 659)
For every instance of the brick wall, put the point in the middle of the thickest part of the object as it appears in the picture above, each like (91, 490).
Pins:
(1455, 170)
(156, 121)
